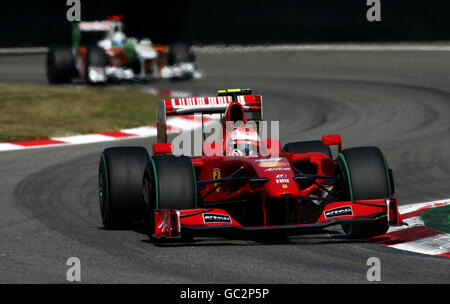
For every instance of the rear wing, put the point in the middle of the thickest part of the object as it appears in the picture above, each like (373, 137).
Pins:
(91, 28)
(95, 26)
(202, 105)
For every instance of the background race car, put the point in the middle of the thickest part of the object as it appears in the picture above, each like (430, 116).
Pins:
(101, 52)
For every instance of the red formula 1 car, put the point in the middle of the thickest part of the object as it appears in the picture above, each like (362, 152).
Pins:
(248, 185)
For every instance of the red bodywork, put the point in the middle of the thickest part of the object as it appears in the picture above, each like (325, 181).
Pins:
(264, 192)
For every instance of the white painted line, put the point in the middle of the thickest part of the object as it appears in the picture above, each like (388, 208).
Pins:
(223, 49)
(84, 139)
(141, 131)
(24, 50)
(10, 147)
(414, 207)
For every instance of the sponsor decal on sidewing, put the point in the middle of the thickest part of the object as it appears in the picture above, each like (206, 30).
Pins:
(337, 212)
(216, 218)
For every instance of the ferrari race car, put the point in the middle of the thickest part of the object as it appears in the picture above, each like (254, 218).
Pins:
(101, 52)
(249, 185)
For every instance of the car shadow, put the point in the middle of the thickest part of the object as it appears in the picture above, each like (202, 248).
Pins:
(323, 238)
(319, 237)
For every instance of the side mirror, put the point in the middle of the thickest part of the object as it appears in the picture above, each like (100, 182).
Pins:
(331, 140)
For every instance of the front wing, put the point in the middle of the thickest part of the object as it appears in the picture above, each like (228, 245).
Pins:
(218, 222)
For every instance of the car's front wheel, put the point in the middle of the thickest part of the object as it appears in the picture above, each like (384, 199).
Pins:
(364, 175)
(96, 63)
(169, 183)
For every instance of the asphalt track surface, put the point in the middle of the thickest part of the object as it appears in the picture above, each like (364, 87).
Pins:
(399, 101)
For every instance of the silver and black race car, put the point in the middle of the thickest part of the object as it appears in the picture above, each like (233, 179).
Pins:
(101, 52)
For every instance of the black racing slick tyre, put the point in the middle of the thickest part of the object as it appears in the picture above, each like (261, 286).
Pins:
(170, 183)
(60, 64)
(308, 146)
(365, 175)
(121, 172)
(95, 58)
(176, 182)
(180, 53)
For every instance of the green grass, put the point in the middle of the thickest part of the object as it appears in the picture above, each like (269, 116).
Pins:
(438, 218)
(33, 112)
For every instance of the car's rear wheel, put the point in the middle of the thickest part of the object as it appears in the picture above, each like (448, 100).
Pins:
(170, 183)
(308, 146)
(180, 53)
(365, 175)
(121, 172)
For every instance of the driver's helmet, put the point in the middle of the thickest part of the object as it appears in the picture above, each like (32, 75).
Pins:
(118, 38)
(243, 141)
